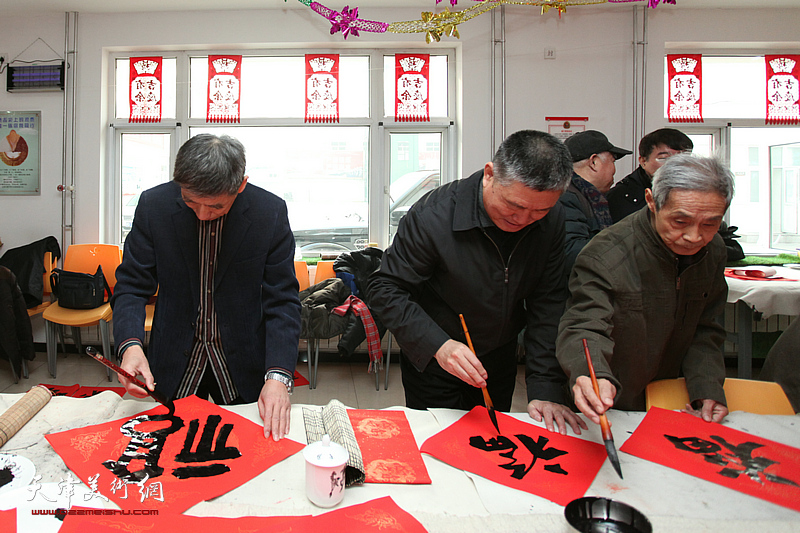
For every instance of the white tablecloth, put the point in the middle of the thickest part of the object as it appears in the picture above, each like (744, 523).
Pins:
(768, 297)
(454, 501)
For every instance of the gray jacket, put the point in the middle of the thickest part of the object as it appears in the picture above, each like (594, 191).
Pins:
(642, 320)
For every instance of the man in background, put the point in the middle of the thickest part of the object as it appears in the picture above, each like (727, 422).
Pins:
(585, 204)
(648, 293)
(220, 253)
(627, 196)
(490, 247)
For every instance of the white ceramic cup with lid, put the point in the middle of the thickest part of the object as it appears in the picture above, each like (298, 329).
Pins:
(325, 465)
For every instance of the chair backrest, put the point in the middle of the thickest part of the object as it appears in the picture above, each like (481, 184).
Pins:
(86, 257)
(301, 271)
(49, 264)
(324, 271)
(752, 396)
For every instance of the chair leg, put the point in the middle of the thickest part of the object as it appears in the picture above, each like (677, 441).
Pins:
(24, 369)
(316, 361)
(105, 340)
(76, 337)
(388, 360)
(52, 350)
(308, 356)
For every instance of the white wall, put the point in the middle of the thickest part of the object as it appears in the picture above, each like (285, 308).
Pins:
(591, 76)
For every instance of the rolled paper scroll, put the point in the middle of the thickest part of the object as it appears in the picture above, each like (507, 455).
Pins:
(22, 411)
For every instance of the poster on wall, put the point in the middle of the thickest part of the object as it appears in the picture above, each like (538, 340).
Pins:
(20, 172)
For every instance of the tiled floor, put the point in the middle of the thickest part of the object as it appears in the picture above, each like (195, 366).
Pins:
(347, 382)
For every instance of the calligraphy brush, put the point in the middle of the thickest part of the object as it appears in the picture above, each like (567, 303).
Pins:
(486, 399)
(608, 438)
(157, 396)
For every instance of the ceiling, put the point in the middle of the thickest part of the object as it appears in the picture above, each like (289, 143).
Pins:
(109, 6)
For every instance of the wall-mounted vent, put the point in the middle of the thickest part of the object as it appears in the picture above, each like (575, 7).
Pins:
(35, 78)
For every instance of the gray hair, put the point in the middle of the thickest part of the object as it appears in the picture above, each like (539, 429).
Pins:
(536, 159)
(208, 165)
(689, 172)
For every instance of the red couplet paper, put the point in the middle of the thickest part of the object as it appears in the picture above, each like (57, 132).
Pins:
(8, 521)
(524, 457)
(379, 515)
(88, 392)
(728, 457)
(170, 462)
(61, 390)
(387, 446)
(299, 379)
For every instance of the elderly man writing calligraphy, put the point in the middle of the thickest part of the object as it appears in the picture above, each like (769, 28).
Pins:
(220, 253)
(647, 294)
(490, 247)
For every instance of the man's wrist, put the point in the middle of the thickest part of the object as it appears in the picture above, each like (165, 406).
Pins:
(282, 376)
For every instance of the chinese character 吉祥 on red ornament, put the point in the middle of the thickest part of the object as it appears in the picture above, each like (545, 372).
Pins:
(411, 87)
(322, 88)
(145, 90)
(685, 88)
(783, 89)
(224, 88)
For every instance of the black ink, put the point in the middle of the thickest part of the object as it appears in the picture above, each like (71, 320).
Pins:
(152, 442)
(204, 451)
(6, 476)
(507, 448)
(186, 472)
(738, 460)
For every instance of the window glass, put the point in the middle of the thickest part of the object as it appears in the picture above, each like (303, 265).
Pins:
(145, 164)
(437, 86)
(169, 70)
(325, 187)
(274, 87)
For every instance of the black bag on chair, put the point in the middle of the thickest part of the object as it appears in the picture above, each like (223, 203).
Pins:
(76, 290)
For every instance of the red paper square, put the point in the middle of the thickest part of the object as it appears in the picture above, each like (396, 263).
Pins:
(163, 463)
(88, 392)
(524, 457)
(379, 515)
(387, 446)
(8, 521)
(735, 459)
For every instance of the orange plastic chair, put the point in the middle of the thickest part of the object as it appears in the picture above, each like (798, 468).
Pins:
(301, 271)
(749, 395)
(324, 271)
(83, 258)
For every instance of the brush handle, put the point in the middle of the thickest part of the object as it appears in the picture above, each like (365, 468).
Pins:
(604, 425)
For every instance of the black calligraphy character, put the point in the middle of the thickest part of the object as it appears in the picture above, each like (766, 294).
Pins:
(146, 446)
(740, 456)
(204, 452)
(538, 450)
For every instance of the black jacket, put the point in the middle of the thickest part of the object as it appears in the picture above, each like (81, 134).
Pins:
(27, 264)
(442, 263)
(16, 334)
(627, 196)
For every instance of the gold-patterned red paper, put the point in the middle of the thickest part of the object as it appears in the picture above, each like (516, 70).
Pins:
(783, 89)
(379, 515)
(145, 89)
(388, 448)
(81, 519)
(685, 73)
(322, 88)
(155, 460)
(411, 87)
(759, 467)
(525, 457)
(224, 88)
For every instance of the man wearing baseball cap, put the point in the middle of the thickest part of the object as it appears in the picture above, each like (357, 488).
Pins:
(585, 204)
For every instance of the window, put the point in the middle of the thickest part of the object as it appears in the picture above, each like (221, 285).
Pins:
(333, 177)
(766, 207)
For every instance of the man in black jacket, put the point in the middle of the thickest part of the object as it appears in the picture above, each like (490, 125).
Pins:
(490, 247)
(627, 196)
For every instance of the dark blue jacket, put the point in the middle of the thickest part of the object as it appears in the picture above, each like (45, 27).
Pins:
(255, 288)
